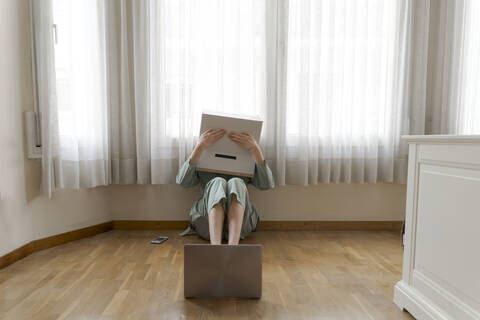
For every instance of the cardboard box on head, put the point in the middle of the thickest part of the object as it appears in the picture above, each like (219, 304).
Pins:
(226, 156)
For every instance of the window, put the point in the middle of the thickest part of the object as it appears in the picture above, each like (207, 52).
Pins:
(205, 55)
(211, 55)
(342, 68)
(80, 66)
(132, 78)
(469, 79)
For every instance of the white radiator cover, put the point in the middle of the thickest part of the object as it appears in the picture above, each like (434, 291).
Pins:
(441, 263)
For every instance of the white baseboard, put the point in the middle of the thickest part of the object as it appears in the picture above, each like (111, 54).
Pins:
(407, 298)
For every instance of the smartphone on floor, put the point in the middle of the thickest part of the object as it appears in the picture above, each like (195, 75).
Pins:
(159, 240)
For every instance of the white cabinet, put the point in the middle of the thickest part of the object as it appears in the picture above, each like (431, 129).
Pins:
(441, 262)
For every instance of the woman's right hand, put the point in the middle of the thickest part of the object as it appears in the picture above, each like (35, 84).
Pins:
(210, 137)
(207, 139)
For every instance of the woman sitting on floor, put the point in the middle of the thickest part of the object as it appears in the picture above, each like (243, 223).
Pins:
(224, 194)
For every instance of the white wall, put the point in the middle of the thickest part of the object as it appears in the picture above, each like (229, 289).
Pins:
(25, 214)
(15, 221)
(358, 202)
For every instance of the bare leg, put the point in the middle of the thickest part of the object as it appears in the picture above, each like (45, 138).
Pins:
(215, 223)
(235, 220)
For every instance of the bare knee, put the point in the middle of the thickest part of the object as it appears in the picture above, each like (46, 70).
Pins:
(217, 186)
(236, 180)
(219, 181)
(236, 184)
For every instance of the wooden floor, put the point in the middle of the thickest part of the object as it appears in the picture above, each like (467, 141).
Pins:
(119, 275)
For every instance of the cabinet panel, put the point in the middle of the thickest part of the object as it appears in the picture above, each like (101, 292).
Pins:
(441, 263)
(448, 231)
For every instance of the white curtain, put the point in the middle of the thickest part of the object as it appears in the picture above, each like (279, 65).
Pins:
(43, 68)
(131, 78)
(123, 83)
(455, 75)
(82, 78)
(469, 95)
(82, 154)
(345, 90)
(195, 55)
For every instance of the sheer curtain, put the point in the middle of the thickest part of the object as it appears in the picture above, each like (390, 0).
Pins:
(345, 90)
(469, 95)
(82, 152)
(129, 80)
(82, 67)
(455, 68)
(43, 67)
(95, 137)
(196, 55)
(122, 85)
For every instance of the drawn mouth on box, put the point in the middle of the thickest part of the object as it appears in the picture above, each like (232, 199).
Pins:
(225, 156)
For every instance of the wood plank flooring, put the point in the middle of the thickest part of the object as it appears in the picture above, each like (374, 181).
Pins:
(120, 275)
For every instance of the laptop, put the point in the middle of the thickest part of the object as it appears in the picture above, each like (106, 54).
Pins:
(222, 271)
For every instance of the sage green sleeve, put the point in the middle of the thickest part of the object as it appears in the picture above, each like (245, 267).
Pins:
(187, 175)
(263, 177)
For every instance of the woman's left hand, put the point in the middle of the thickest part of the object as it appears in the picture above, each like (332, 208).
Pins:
(244, 139)
(247, 141)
